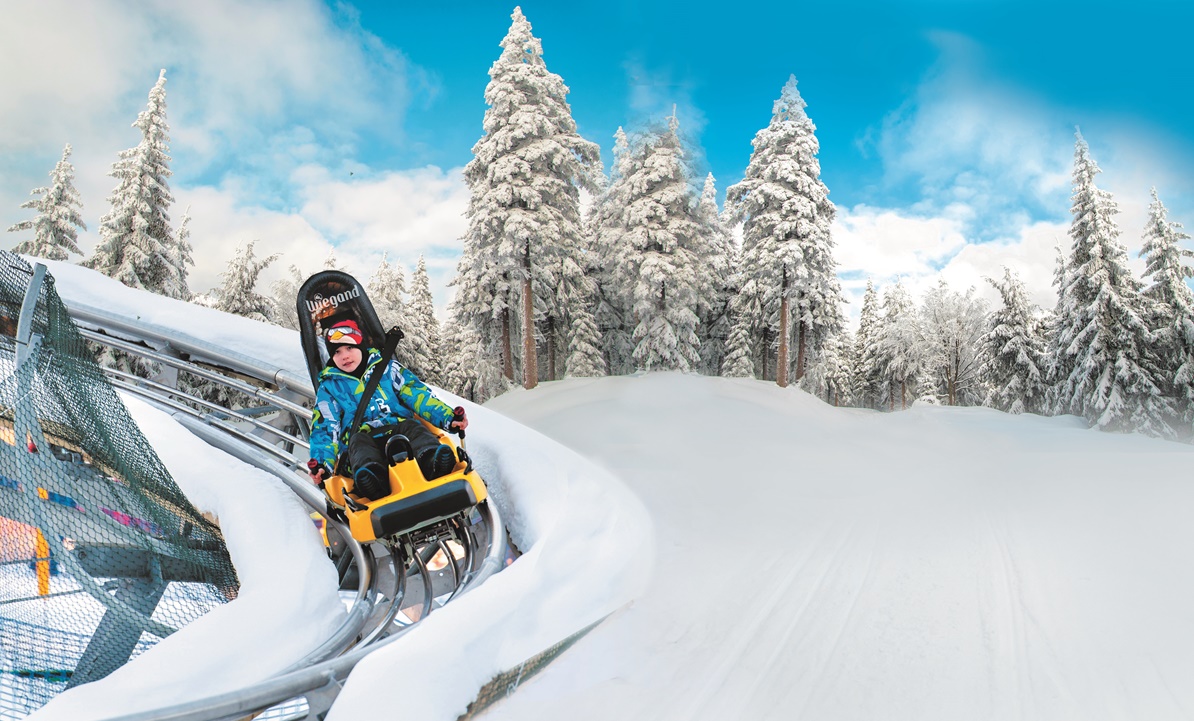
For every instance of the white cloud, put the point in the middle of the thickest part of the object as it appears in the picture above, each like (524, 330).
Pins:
(990, 166)
(964, 137)
(251, 84)
(404, 214)
(887, 244)
(267, 104)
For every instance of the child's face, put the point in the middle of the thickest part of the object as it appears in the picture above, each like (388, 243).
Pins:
(347, 357)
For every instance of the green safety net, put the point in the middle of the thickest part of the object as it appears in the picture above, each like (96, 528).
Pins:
(101, 554)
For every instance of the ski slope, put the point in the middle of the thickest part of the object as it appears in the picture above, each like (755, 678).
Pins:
(765, 556)
(823, 563)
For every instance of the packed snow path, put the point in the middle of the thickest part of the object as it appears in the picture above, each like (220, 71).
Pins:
(823, 563)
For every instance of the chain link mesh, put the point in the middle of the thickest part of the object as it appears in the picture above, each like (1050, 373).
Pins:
(101, 554)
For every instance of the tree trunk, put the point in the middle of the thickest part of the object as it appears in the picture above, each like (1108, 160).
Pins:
(766, 365)
(530, 360)
(904, 395)
(507, 351)
(551, 349)
(781, 361)
(890, 398)
(800, 343)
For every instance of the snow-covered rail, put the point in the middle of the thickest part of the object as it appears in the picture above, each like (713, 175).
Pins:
(271, 446)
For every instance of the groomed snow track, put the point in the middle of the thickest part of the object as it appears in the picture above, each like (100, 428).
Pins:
(307, 688)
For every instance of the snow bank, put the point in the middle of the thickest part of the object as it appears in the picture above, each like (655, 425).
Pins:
(828, 563)
(288, 602)
(587, 545)
(270, 344)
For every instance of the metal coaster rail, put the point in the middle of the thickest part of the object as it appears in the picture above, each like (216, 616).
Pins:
(372, 621)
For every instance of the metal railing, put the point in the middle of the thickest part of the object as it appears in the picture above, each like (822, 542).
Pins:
(318, 676)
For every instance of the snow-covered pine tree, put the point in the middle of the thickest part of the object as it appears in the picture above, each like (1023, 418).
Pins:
(717, 291)
(56, 226)
(786, 217)
(584, 357)
(1057, 365)
(867, 376)
(900, 356)
(524, 205)
(478, 311)
(830, 371)
(1014, 354)
(658, 256)
(469, 367)
(284, 292)
(1173, 307)
(573, 292)
(739, 360)
(237, 294)
(181, 255)
(952, 326)
(612, 305)
(386, 289)
(1103, 336)
(423, 344)
(138, 245)
(332, 262)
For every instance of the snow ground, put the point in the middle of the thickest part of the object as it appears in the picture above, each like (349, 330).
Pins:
(823, 563)
(586, 540)
(809, 562)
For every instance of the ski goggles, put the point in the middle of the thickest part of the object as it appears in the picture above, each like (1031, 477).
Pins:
(344, 335)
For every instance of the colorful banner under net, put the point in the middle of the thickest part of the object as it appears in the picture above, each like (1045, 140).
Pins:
(101, 555)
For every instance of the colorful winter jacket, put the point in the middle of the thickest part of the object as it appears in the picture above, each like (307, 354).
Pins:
(399, 396)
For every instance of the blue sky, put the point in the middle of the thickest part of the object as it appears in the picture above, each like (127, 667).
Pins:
(946, 127)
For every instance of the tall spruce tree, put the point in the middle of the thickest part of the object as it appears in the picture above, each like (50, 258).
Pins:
(786, 217)
(56, 226)
(656, 260)
(867, 372)
(524, 204)
(612, 312)
(571, 295)
(423, 342)
(740, 345)
(1014, 352)
(138, 244)
(1173, 307)
(717, 291)
(1103, 337)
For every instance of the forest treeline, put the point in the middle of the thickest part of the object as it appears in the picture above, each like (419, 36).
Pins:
(648, 275)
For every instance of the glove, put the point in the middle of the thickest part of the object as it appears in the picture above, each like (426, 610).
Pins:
(317, 471)
(459, 420)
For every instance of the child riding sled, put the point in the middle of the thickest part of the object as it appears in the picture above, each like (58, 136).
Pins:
(393, 409)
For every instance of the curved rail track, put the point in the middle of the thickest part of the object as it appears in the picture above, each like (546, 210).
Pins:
(395, 586)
